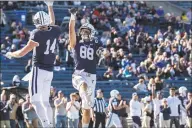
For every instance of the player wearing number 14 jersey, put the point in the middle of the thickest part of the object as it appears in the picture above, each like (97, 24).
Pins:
(43, 41)
(85, 50)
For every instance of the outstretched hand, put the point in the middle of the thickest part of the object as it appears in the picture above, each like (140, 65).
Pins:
(73, 11)
(48, 3)
(8, 55)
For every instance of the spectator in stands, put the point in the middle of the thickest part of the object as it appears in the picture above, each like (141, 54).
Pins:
(125, 62)
(13, 105)
(8, 43)
(151, 84)
(142, 69)
(3, 49)
(3, 20)
(72, 109)
(135, 110)
(147, 113)
(189, 110)
(158, 84)
(29, 113)
(120, 74)
(13, 48)
(164, 115)
(169, 34)
(189, 69)
(184, 17)
(160, 11)
(109, 73)
(174, 104)
(4, 111)
(189, 13)
(141, 87)
(153, 11)
(128, 72)
(19, 114)
(60, 110)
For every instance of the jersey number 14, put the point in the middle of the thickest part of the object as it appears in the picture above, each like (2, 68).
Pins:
(52, 48)
(86, 53)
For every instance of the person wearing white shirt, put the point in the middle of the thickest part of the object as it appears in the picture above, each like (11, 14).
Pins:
(174, 103)
(156, 104)
(147, 113)
(141, 87)
(73, 108)
(135, 110)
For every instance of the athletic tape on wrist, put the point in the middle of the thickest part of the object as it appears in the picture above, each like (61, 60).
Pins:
(73, 17)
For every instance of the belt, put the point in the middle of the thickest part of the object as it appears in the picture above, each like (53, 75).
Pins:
(79, 72)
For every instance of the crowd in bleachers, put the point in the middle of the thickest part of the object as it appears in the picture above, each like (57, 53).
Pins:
(121, 29)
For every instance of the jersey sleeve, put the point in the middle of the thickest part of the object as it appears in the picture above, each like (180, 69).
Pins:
(114, 102)
(33, 35)
(99, 47)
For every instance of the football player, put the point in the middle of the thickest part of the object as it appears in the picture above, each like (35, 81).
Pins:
(43, 41)
(85, 49)
(114, 108)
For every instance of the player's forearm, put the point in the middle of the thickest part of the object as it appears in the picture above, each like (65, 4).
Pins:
(51, 14)
(17, 54)
(188, 105)
(72, 34)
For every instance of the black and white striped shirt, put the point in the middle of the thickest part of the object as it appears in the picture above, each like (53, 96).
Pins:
(99, 105)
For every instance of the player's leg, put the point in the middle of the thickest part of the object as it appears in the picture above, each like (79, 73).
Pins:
(88, 88)
(109, 121)
(35, 89)
(116, 121)
(45, 97)
(85, 108)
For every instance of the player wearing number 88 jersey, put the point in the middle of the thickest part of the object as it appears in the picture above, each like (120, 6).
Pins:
(85, 50)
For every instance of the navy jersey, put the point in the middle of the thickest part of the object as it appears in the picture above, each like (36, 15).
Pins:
(85, 56)
(44, 54)
(114, 103)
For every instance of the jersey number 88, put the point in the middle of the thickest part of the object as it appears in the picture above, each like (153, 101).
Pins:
(86, 53)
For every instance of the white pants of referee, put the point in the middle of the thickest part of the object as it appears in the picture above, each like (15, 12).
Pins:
(39, 91)
(113, 120)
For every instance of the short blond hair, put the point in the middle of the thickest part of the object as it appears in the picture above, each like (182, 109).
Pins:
(73, 95)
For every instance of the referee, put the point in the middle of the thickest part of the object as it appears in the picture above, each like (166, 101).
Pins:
(98, 111)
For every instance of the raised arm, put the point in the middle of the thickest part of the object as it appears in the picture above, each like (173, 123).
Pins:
(50, 11)
(22, 52)
(72, 34)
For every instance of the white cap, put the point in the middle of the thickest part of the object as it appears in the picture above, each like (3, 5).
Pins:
(134, 94)
(147, 99)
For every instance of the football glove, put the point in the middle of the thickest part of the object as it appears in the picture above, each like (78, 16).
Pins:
(73, 11)
(8, 55)
(48, 3)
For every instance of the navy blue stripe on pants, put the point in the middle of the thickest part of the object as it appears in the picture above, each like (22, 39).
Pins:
(32, 81)
(36, 80)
